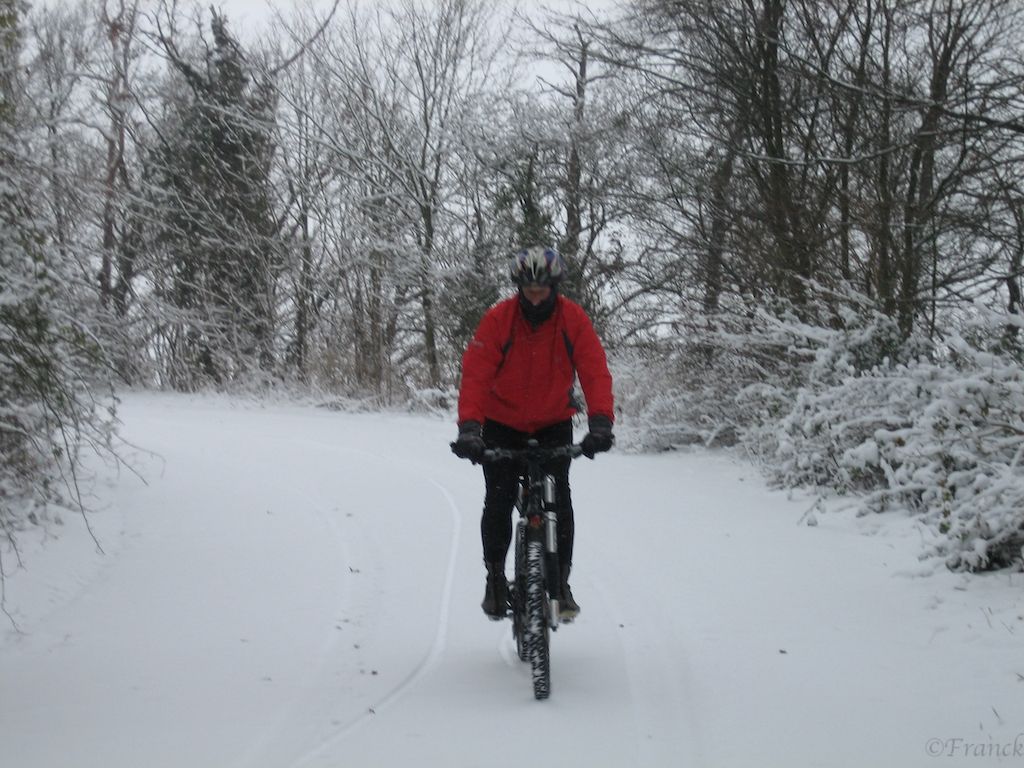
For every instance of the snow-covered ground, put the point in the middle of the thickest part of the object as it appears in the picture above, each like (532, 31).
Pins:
(300, 587)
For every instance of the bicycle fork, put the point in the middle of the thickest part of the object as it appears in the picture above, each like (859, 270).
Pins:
(551, 549)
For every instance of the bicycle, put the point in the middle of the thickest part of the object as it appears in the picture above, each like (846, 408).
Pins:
(535, 588)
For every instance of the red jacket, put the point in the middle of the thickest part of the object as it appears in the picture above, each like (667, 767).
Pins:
(523, 377)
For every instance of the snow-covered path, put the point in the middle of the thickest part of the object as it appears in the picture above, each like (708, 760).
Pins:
(298, 587)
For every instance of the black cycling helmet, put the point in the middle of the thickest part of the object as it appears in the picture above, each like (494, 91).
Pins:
(537, 265)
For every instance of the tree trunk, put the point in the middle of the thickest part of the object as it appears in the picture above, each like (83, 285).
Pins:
(884, 274)
(849, 135)
(573, 204)
(919, 206)
(303, 299)
(427, 300)
(720, 219)
(792, 258)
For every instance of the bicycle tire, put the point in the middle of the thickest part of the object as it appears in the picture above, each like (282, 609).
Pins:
(536, 629)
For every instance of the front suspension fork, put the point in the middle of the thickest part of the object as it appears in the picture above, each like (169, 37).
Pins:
(551, 549)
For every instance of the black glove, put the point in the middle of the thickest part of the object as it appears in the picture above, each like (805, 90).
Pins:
(600, 438)
(469, 445)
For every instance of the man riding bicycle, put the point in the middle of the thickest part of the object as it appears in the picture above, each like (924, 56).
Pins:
(518, 375)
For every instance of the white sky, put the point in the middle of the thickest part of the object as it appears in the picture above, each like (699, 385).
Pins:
(251, 17)
(246, 16)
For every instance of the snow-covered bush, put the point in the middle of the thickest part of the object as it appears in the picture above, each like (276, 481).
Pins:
(53, 378)
(656, 412)
(934, 428)
(682, 389)
(846, 392)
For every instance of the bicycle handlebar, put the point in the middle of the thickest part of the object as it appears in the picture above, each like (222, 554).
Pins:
(531, 452)
(539, 453)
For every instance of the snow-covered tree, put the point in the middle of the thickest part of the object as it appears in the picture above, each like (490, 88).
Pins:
(218, 249)
(54, 379)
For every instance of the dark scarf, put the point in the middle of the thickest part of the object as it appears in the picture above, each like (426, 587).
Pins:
(535, 315)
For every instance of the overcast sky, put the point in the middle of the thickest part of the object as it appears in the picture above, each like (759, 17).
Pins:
(246, 16)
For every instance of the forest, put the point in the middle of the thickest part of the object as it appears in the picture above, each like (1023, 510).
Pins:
(798, 226)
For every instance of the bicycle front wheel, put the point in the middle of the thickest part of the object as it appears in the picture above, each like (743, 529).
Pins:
(536, 630)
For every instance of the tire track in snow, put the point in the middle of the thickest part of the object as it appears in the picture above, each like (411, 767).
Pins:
(255, 751)
(440, 639)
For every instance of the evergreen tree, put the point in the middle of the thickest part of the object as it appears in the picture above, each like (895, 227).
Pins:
(218, 251)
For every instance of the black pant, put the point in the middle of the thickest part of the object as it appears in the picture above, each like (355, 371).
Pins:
(501, 479)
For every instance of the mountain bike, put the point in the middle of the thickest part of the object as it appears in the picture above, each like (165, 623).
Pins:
(535, 588)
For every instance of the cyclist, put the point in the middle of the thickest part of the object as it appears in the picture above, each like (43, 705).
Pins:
(518, 375)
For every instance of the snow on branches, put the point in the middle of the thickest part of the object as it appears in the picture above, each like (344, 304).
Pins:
(936, 428)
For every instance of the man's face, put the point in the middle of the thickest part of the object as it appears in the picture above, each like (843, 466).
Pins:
(535, 294)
